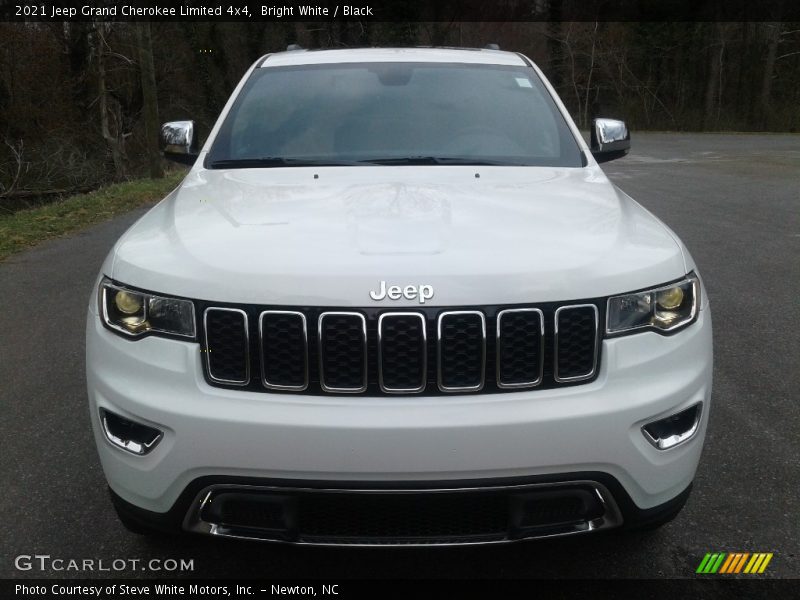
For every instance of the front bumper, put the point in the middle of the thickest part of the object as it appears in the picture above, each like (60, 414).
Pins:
(218, 433)
(480, 512)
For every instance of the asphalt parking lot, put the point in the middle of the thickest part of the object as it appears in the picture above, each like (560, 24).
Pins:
(735, 202)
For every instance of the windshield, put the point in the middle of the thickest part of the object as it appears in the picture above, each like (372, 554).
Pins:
(394, 113)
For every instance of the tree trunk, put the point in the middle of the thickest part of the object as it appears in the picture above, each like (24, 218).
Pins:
(149, 99)
(712, 84)
(115, 140)
(744, 55)
(765, 100)
(554, 49)
(585, 117)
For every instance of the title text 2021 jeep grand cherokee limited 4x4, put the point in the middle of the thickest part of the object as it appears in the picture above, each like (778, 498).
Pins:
(396, 301)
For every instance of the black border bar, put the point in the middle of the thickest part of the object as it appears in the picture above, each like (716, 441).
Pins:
(398, 10)
(346, 589)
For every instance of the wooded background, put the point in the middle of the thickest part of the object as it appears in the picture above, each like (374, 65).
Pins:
(81, 103)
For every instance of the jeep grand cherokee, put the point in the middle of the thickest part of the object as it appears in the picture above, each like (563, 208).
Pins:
(396, 301)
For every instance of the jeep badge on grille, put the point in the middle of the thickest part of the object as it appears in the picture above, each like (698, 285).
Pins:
(395, 292)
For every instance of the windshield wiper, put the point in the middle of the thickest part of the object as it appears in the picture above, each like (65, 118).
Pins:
(280, 161)
(438, 160)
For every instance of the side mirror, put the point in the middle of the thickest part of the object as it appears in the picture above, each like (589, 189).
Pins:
(610, 139)
(178, 142)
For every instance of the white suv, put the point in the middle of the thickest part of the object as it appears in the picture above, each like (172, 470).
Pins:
(396, 301)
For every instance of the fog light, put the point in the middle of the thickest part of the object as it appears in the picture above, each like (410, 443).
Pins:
(675, 429)
(129, 435)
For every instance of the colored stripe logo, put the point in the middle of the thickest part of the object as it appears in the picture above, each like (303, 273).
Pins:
(734, 562)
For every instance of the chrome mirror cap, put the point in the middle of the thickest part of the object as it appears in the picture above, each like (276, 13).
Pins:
(610, 139)
(178, 141)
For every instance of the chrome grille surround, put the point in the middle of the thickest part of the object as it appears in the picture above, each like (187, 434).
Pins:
(276, 386)
(321, 353)
(208, 349)
(498, 337)
(588, 374)
(424, 358)
(439, 378)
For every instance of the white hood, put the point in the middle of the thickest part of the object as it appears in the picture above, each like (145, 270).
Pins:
(327, 236)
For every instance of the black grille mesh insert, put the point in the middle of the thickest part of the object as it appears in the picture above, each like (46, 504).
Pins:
(397, 516)
(519, 350)
(226, 346)
(402, 350)
(283, 349)
(577, 331)
(343, 351)
(461, 350)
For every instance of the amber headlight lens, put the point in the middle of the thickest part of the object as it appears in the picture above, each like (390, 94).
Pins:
(134, 313)
(670, 298)
(665, 308)
(128, 303)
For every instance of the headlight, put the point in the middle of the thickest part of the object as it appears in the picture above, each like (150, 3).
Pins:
(665, 308)
(135, 313)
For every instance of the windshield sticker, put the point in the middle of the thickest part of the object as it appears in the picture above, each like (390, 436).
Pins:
(524, 82)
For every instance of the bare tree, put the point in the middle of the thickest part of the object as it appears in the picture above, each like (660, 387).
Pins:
(16, 170)
(713, 85)
(764, 99)
(579, 48)
(109, 108)
(590, 72)
(150, 98)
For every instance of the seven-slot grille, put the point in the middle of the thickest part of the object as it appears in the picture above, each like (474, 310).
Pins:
(377, 352)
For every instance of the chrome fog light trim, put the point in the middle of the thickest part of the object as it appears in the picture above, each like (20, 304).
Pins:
(675, 429)
(128, 435)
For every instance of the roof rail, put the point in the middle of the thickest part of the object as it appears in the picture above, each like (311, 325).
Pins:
(291, 47)
(492, 47)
